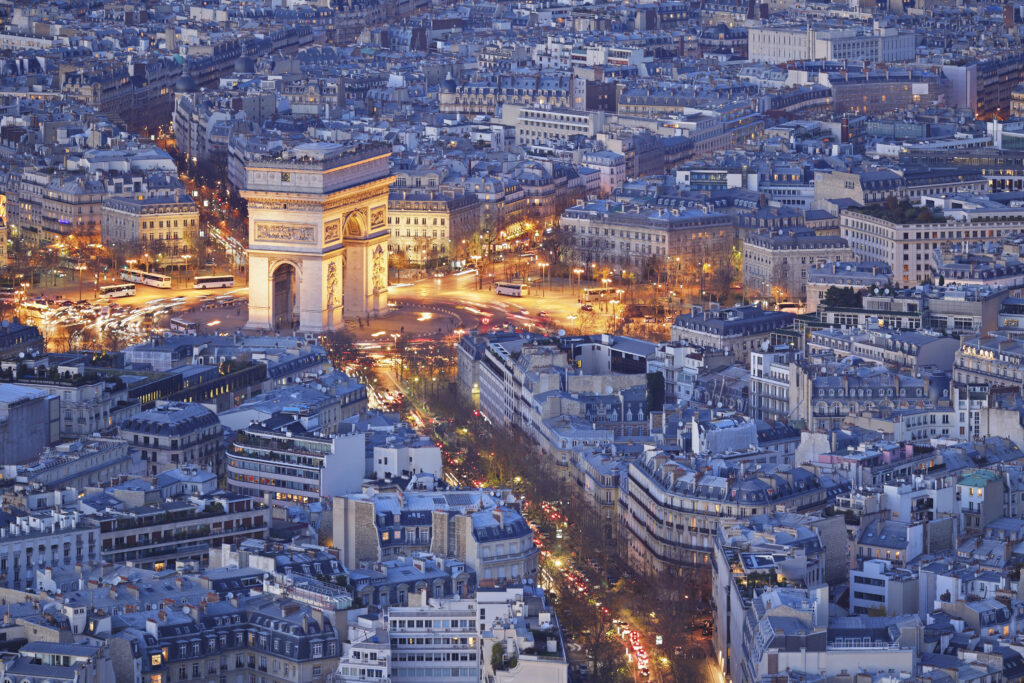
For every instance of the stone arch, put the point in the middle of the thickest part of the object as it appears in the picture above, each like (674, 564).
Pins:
(285, 276)
(355, 225)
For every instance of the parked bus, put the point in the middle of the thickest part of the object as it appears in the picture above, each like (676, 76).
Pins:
(116, 291)
(184, 326)
(598, 293)
(512, 289)
(142, 277)
(213, 281)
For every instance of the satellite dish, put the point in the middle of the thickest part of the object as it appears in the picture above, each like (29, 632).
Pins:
(184, 610)
(561, 333)
(21, 354)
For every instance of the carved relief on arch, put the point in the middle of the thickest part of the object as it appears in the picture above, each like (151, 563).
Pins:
(355, 224)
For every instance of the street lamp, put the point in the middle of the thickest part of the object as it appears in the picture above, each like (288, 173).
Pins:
(81, 268)
(186, 257)
(543, 272)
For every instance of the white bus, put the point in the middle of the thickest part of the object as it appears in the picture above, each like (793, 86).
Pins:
(184, 326)
(512, 289)
(116, 291)
(142, 277)
(597, 293)
(213, 281)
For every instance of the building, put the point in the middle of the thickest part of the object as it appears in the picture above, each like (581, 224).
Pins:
(610, 165)
(776, 264)
(168, 222)
(48, 536)
(769, 383)
(906, 350)
(173, 435)
(629, 235)
(437, 639)
(296, 460)
(77, 464)
(298, 277)
(670, 512)
(429, 226)
(477, 526)
(542, 126)
(952, 310)
(275, 638)
(17, 338)
(854, 275)
(29, 422)
(43, 662)
(785, 43)
(905, 238)
(878, 586)
(161, 533)
(87, 404)
(736, 331)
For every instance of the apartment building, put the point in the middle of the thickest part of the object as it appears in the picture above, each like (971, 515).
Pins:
(168, 222)
(479, 527)
(49, 207)
(159, 534)
(904, 350)
(785, 43)
(669, 511)
(436, 640)
(629, 235)
(45, 536)
(905, 239)
(427, 226)
(173, 435)
(824, 395)
(776, 263)
(300, 460)
(29, 422)
(855, 275)
(87, 404)
(769, 383)
(993, 360)
(255, 637)
(537, 125)
(737, 330)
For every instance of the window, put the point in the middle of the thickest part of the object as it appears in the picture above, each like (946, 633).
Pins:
(286, 177)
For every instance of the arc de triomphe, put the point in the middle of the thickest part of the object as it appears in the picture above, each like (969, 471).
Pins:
(318, 236)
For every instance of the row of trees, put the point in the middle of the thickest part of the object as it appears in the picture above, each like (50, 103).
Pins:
(508, 458)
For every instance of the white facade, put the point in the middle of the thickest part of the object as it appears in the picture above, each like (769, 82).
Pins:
(435, 642)
(777, 44)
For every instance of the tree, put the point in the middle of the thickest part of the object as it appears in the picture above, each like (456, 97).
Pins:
(59, 341)
(841, 297)
(655, 391)
(497, 656)
(722, 278)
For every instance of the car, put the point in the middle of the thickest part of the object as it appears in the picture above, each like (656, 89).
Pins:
(541, 314)
(586, 307)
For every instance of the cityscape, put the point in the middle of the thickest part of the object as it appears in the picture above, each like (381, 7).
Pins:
(511, 341)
